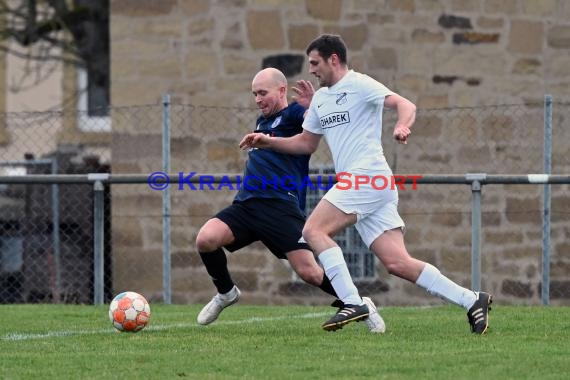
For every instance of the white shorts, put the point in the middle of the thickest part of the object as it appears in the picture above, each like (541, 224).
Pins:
(376, 210)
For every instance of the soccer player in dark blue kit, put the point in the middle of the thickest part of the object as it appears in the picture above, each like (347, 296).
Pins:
(267, 208)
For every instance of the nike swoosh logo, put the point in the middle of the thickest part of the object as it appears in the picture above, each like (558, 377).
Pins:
(319, 106)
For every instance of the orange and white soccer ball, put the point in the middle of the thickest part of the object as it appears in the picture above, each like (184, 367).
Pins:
(129, 311)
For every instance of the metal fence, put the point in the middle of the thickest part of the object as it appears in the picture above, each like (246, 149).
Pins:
(48, 238)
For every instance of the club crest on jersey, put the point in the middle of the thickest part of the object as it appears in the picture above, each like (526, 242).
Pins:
(341, 98)
(276, 122)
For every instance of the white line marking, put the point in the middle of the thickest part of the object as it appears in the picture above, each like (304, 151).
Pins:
(13, 337)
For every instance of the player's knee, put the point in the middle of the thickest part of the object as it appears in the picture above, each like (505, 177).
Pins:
(206, 241)
(309, 234)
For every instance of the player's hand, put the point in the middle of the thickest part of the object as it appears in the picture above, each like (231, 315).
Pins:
(305, 92)
(401, 133)
(254, 140)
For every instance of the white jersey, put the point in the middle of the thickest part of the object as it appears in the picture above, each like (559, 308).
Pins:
(349, 115)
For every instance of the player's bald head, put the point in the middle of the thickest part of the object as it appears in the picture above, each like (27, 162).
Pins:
(270, 77)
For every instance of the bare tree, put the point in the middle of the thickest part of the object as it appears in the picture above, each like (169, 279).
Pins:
(71, 31)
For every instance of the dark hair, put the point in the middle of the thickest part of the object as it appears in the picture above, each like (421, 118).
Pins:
(327, 45)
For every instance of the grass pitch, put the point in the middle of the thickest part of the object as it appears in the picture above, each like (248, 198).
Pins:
(277, 342)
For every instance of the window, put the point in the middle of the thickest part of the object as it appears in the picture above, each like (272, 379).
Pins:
(91, 116)
(93, 81)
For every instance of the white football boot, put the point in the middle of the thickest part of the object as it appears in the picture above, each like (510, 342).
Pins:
(374, 321)
(212, 310)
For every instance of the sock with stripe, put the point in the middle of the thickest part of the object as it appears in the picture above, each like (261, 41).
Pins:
(437, 284)
(337, 272)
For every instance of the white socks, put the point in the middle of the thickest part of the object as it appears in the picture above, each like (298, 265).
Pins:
(437, 284)
(430, 279)
(336, 270)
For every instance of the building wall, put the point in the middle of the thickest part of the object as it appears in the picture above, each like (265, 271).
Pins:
(25, 92)
(438, 53)
(3, 136)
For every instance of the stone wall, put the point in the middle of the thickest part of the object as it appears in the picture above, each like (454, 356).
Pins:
(438, 53)
(441, 54)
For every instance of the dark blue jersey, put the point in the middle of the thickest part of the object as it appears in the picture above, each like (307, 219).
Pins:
(269, 174)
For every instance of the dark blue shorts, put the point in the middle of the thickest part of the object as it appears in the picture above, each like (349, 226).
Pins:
(278, 224)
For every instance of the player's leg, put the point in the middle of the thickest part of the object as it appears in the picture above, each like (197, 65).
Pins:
(226, 229)
(304, 264)
(214, 235)
(279, 226)
(324, 222)
(390, 248)
(284, 233)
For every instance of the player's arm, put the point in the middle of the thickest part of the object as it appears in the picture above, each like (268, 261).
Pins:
(406, 116)
(302, 143)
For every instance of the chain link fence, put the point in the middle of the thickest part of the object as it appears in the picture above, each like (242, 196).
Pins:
(46, 230)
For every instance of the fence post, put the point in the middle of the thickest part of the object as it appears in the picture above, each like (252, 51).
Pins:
(55, 232)
(98, 236)
(545, 296)
(166, 255)
(476, 182)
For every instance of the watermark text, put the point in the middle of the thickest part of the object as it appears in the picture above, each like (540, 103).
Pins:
(342, 181)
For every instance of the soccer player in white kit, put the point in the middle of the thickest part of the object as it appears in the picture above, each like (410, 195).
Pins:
(347, 110)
